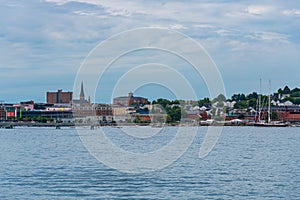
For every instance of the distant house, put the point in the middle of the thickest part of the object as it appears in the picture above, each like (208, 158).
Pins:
(230, 104)
(203, 108)
(288, 103)
(283, 96)
(275, 103)
(196, 108)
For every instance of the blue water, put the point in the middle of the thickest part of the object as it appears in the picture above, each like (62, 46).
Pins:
(246, 163)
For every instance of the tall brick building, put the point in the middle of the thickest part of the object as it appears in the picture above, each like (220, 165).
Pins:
(59, 97)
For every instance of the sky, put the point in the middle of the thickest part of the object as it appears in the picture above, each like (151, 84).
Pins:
(43, 43)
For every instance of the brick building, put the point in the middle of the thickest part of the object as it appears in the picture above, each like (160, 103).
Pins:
(129, 100)
(59, 97)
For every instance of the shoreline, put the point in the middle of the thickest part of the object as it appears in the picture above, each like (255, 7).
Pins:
(9, 125)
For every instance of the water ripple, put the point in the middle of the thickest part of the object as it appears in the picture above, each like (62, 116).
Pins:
(247, 163)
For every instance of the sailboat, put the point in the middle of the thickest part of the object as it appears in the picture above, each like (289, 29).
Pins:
(268, 122)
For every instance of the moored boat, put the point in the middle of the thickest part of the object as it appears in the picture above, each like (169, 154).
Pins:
(268, 122)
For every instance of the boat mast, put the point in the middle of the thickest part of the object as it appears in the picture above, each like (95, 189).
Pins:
(259, 101)
(269, 106)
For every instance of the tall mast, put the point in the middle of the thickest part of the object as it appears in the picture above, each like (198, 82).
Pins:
(269, 106)
(259, 101)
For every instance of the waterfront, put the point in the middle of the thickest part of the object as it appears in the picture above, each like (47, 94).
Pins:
(246, 163)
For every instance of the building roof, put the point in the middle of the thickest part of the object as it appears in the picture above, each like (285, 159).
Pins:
(79, 101)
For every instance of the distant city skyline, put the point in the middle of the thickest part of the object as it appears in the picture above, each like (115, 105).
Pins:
(68, 94)
(43, 43)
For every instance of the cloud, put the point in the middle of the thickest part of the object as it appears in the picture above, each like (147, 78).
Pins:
(193, 11)
(252, 12)
(113, 8)
(204, 26)
(39, 37)
(222, 32)
(170, 26)
(58, 2)
(177, 26)
(84, 13)
(257, 10)
(292, 12)
(269, 36)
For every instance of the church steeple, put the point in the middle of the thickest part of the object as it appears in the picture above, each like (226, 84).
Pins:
(82, 92)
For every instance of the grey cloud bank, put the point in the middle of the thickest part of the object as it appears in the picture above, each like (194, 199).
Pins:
(43, 43)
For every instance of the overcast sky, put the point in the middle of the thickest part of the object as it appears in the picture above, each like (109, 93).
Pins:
(44, 42)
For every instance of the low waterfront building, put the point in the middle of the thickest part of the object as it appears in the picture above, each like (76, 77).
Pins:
(50, 114)
(283, 113)
(124, 114)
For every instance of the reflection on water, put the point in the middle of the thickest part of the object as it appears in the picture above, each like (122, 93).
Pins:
(247, 163)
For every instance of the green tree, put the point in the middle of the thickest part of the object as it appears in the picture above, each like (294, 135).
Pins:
(39, 119)
(295, 90)
(27, 119)
(295, 94)
(242, 97)
(203, 102)
(253, 95)
(175, 102)
(175, 113)
(252, 102)
(220, 97)
(168, 119)
(293, 100)
(296, 101)
(137, 120)
(235, 97)
(163, 102)
(286, 90)
(240, 105)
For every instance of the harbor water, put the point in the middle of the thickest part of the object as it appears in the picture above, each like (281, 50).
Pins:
(246, 163)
